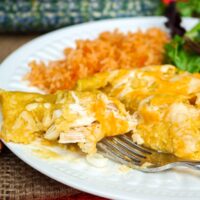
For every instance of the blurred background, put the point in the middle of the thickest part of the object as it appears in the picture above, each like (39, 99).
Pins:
(42, 16)
(23, 20)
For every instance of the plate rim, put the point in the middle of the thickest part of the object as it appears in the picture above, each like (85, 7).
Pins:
(46, 36)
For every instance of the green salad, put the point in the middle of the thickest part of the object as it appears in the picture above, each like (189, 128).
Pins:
(179, 54)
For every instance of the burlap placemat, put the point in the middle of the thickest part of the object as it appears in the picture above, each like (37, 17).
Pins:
(18, 181)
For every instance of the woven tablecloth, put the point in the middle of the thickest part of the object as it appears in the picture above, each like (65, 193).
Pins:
(19, 181)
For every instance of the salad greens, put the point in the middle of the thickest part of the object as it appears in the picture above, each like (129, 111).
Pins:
(194, 33)
(180, 55)
(189, 8)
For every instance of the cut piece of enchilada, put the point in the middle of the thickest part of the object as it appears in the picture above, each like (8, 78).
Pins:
(166, 102)
(68, 117)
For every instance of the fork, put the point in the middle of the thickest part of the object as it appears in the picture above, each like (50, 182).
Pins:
(123, 150)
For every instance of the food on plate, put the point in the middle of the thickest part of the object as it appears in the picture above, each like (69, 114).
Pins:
(66, 116)
(165, 100)
(109, 51)
(159, 104)
(184, 51)
(132, 86)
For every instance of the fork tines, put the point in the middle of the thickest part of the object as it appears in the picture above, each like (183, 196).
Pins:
(122, 149)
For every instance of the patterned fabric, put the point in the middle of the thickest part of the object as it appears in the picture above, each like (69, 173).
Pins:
(32, 15)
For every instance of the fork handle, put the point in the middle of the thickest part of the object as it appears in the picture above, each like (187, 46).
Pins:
(193, 166)
(180, 164)
(170, 166)
(183, 164)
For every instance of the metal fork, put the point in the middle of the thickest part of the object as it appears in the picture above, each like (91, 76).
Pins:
(123, 150)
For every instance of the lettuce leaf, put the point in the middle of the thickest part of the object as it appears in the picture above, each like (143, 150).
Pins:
(189, 8)
(194, 33)
(182, 58)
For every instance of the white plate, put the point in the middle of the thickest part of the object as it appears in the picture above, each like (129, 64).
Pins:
(109, 181)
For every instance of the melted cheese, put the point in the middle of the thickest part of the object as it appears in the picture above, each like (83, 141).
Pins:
(166, 102)
(66, 117)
